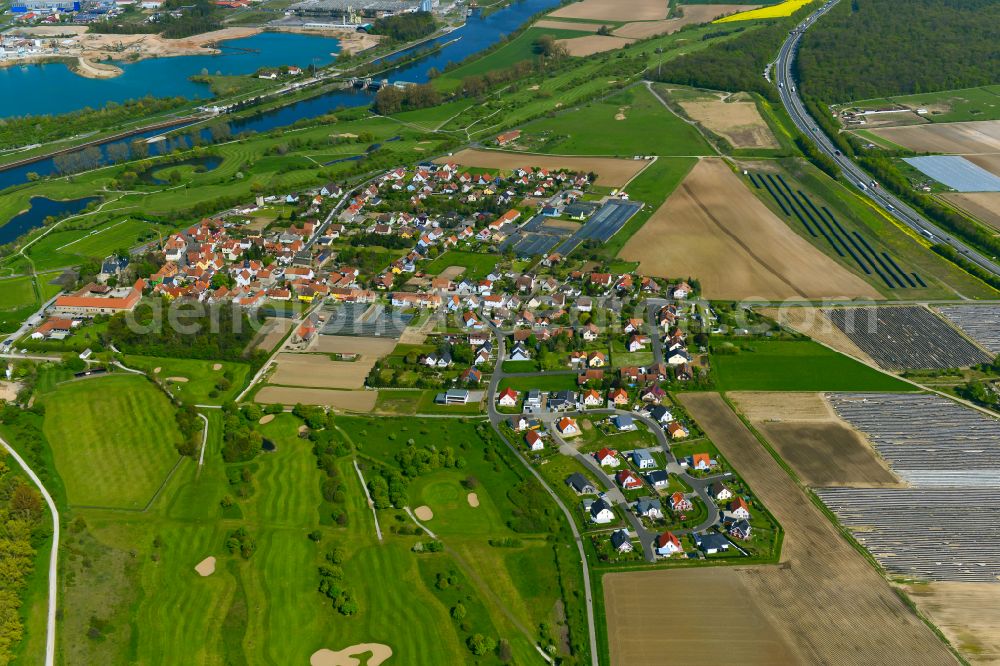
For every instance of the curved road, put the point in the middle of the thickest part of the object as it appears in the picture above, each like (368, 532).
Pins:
(854, 174)
(50, 628)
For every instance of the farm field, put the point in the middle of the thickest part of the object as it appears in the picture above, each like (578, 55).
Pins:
(200, 377)
(273, 331)
(351, 401)
(797, 366)
(786, 8)
(951, 106)
(812, 322)
(734, 117)
(749, 623)
(611, 10)
(700, 13)
(976, 137)
(16, 293)
(824, 600)
(713, 227)
(591, 44)
(984, 206)
(847, 229)
(367, 348)
(632, 122)
(906, 337)
(967, 613)
(955, 172)
(113, 440)
(318, 371)
(611, 172)
(808, 435)
(982, 324)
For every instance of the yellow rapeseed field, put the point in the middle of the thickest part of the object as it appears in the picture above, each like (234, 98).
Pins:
(779, 10)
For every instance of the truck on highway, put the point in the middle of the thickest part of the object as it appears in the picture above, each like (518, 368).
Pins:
(864, 188)
(874, 184)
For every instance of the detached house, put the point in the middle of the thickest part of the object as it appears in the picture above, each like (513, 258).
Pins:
(738, 508)
(568, 427)
(643, 459)
(534, 440)
(607, 458)
(621, 541)
(508, 398)
(628, 480)
(679, 503)
(579, 483)
(650, 508)
(599, 510)
(667, 544)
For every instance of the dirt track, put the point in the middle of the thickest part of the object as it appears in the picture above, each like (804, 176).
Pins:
(611, 172)
(825, 600)
(713, 228)
(977, 137)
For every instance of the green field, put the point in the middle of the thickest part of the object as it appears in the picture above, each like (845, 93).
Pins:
(477, 265)
(201, 375)
(520, 48)
(767, 365)
(648, 128)
(949, 106)
(113, 439)
(15, 293)
(548, 382)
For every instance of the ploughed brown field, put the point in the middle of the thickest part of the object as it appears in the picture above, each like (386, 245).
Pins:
(614, 10)
(568, 25)
(349, 344)
(825, 601)
(692, 14)
(611, 172)
(591, 44)
(318, 371)
(707, 598)
(967, 613)
(979, 136)
(355, 401)
(989, 162)
(711, 226)
(271, 333)
(736, 119)
(984, 206)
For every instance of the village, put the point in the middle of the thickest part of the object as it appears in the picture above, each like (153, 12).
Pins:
(567, 356)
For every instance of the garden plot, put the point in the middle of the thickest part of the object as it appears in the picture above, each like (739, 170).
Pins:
(924, 533)
(906, 337)
(929, 441)
(981, 323)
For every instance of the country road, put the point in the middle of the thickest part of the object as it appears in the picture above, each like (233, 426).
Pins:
(50, 626)
(853, 173)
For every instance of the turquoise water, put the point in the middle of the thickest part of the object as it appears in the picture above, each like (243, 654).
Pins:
(53, 88)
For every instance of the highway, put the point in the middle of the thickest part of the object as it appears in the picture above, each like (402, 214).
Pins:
(853, 173)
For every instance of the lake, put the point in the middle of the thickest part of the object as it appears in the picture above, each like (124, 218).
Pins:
(479, 33)
(55, 89)
(40, 209)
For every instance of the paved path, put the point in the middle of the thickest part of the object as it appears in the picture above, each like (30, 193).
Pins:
(50, 627)
(371, 504)
(495, 418)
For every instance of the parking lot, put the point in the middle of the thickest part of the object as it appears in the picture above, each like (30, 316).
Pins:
(906, 337)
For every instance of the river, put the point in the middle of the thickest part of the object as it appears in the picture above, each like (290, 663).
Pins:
(39, 209)
(479, 33)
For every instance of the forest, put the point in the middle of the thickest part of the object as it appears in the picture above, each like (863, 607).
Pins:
(405, 27)
(864, 49)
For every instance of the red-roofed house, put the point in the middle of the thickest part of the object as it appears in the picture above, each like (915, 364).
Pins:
(667, 544)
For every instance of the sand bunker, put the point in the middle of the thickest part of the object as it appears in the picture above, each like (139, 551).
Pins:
(217, 366)
(473, 499)
(348, 656)
(206, 567)
(156, 370)
(267, 418)
(303, 429)
(178, 380)
(424, 512)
